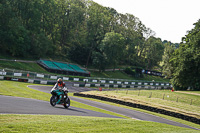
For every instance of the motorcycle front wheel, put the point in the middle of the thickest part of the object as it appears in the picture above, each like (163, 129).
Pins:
(53, 101)
(67, 103)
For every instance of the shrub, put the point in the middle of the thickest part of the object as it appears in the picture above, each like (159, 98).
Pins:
(130, 71)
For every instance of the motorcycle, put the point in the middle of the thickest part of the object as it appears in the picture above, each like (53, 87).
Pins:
(60, 96)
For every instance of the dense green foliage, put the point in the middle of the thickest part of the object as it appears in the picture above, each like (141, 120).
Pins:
(183, 64)
(79, 30)
(186, 61)
(22, 123)
(87, 33)
(166, 65)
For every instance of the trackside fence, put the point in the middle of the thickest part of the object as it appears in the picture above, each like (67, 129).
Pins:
(162, 95)
(87, 82)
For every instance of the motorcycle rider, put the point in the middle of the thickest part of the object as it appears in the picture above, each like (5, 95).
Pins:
(61, 86)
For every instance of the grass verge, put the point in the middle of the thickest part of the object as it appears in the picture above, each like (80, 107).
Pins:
(155, 101)
(160, 115)
(49, 123)
(34, 67)
(122, 75)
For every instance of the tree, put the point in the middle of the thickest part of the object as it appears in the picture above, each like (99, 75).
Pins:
(128, 27)
(99, 60)
(113, 47)
(153, 52)
(186, 61)
(98, 24)
(74, 30)
(166, 58)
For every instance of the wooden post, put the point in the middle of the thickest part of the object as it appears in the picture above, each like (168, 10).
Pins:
(139, 93)
(177, 99)
(164, 96)
(150, 95)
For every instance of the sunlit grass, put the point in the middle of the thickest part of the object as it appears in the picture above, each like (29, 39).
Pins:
(156, 99)
(50, 123)
(33, 67)
(71, 124)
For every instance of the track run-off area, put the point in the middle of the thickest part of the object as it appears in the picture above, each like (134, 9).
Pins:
(17, 105)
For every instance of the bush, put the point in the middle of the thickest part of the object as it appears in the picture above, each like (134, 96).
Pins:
(130, 71)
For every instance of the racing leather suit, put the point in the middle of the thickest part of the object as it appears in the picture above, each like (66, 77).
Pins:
(61, 87)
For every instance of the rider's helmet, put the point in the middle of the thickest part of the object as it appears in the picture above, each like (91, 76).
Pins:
(59, 81)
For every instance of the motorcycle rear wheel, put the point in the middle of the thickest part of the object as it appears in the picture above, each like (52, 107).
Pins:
(67, 103)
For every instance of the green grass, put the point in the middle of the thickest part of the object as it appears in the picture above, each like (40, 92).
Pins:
(110, 74)
(122, 75)
(156, 99)
(166, 95)
(71, 124)
(155, 78)
(19, 89)
(49, 123)
(149, 112)
(191, 92)
(33, 67)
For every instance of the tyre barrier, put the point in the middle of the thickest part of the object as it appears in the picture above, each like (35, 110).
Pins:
(145, 107)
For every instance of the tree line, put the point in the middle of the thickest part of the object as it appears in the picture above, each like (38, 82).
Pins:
(79, 30)
(181, 63)
(87, 33)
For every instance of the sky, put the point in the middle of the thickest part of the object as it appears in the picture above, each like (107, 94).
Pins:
(170, 19)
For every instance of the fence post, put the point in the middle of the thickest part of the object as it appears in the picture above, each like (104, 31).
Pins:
(13, 73)
(177, 99)
(34, 75)
(139, 93)
(150, 95)
(48, 77)
(164, 96)
(191, 102)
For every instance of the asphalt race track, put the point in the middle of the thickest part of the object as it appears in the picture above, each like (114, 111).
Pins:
(15, 105)
(127, 112)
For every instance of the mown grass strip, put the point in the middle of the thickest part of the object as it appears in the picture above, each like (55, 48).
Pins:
(71, 124)
(16, 88)
(34, 67)
(154, 101)
(160, 115)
